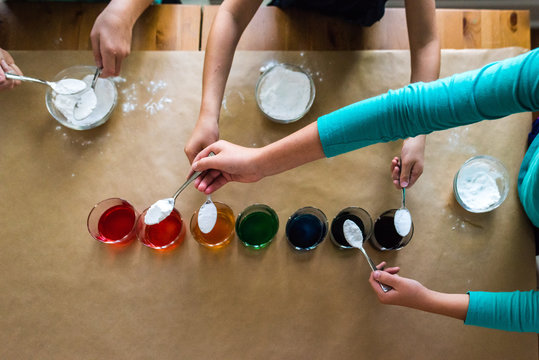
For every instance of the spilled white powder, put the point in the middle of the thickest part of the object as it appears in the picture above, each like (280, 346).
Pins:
(159, 211)
(477, 186)
(403, 222)
(352, 233)
(89, 107)
(207, 216)
(146, 95)
(284, 94)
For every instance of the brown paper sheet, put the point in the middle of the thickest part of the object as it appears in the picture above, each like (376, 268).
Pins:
(67, 296)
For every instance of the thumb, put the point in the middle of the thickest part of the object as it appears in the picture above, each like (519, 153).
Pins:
(406, 168)
(386, 278)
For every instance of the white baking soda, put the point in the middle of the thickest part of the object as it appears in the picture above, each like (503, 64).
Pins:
(403, 222)
(159, 211)
(88, 107)
(69, 86)
(284, 94)
(477, 186)
(352, 233)
(207, 216)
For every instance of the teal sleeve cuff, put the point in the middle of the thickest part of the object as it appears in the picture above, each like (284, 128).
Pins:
(494, 91)
(510, 311)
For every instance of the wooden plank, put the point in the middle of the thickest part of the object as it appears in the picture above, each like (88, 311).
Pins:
(67, 26)
(275, 29)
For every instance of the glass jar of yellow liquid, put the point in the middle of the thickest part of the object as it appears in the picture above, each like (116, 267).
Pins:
(221, 233)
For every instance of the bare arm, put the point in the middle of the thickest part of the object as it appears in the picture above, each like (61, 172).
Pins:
(112, 32)
(230, 22)
(425, 66)
(410, 293)
(236, 163)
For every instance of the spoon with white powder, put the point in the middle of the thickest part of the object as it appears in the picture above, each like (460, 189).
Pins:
(64, 86)
(403, 219)
(207, 216)
(161, 209)
(354, 236)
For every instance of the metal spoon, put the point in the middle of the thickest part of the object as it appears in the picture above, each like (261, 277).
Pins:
(56, 86)
(79, 112)
(403, 219)
(207, 216)
(354, 236)
(165, 206)
(98, 71)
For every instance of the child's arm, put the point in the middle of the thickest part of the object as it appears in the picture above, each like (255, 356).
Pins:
(229, 23)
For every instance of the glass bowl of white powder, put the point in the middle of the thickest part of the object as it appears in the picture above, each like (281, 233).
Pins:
(481, 184)
(86, 110)
(285, 93)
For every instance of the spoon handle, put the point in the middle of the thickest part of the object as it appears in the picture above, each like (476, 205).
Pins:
(25, 78)
(96, 76)
(385, 288)
(403, 198)
(190, 180)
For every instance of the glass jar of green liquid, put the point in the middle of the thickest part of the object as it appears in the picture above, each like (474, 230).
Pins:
(257, 225)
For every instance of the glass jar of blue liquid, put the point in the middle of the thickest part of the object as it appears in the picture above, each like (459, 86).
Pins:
(306, 228)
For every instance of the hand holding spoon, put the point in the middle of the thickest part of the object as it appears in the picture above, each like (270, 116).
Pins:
(162, 208)
(354, 236)
(63, 87)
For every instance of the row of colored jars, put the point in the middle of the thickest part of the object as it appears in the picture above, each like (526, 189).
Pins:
(116, 221)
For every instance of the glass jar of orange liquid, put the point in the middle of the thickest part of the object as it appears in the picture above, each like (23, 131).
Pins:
(222, 232)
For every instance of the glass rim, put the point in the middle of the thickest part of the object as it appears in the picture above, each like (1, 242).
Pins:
(129, 233)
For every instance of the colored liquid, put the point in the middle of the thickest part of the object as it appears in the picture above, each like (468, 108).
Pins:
(164, 233)
(305, 231)
(337, 228)
(222, 232)
(385, 233)
(257, 229)
(116, 223)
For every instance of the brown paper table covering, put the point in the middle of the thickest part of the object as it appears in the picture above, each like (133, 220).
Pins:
(67, 296)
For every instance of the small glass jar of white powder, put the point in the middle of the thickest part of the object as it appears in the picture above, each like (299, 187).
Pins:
(86, 110)
(285, 93)
(481, 184)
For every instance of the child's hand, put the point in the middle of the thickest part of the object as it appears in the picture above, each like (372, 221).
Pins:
(405, 292)
(7, 64)
(111, 41)
(405, 174)
(206, 132)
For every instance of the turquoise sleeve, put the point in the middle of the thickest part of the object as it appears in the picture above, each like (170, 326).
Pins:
(511, 311)
(528, 182)
(494, 91)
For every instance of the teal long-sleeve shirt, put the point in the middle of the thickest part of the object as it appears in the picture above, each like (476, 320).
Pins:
(494, 91)
(512, 311)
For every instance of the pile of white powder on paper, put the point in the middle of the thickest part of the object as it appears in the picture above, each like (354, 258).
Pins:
(284, 94)
(89, 107)
(477, 187)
